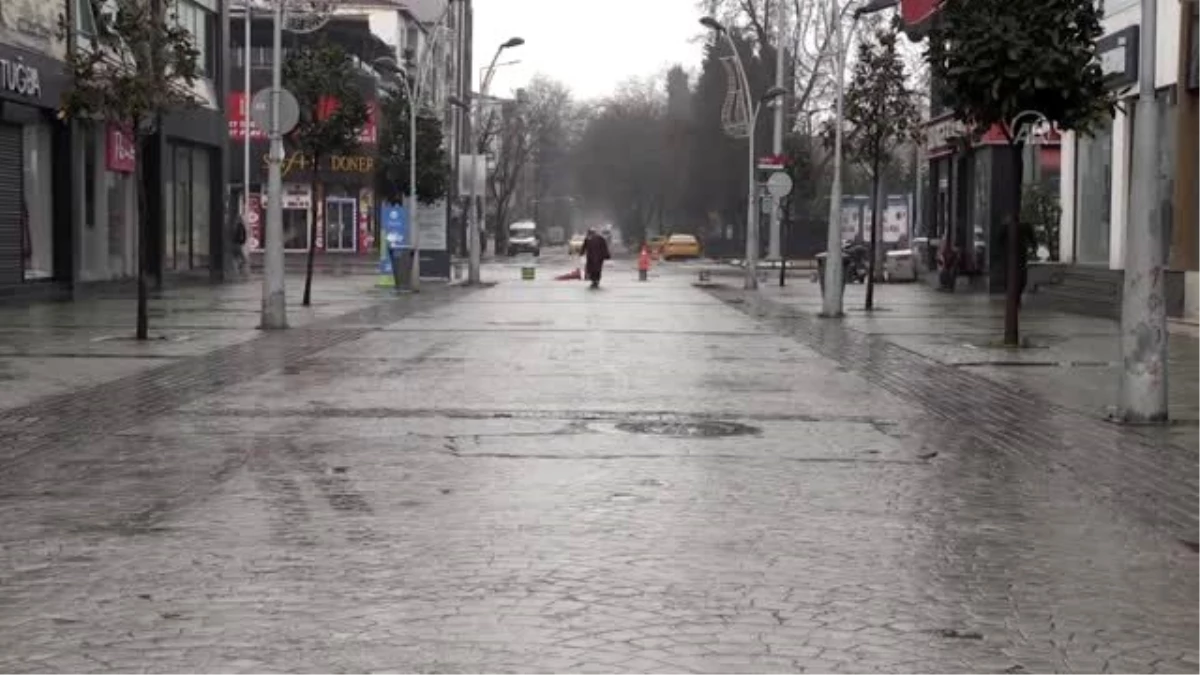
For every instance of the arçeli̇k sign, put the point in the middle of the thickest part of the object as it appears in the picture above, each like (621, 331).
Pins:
(18, 78)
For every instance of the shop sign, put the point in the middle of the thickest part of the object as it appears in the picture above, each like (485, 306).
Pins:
(120, 149)
(18, 78)
(1118, 54)
(942, 134)
(297, 196)
(352, 164)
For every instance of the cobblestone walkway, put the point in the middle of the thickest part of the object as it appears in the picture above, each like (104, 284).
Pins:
(1140, 470)
(535, 477)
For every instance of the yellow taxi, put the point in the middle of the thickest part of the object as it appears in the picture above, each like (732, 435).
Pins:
(681, 246)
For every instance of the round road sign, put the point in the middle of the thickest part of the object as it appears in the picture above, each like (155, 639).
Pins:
(779, 185)
(289, 110)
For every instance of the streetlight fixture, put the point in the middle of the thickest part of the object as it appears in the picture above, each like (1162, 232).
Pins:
(413, 90)
(474, 223)
(752, 109)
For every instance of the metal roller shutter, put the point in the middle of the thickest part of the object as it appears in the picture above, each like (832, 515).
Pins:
(11, 192)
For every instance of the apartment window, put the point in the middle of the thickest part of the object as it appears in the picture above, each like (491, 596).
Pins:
(85, 17)
(199, 18)
(1194, 47)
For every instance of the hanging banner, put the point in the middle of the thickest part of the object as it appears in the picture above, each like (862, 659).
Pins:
(393, 226)
(254, 223)
(119, 149)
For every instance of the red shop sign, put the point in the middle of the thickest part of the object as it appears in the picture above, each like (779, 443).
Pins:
(120, 152)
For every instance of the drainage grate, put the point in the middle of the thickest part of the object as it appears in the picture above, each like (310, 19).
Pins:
(696, 429)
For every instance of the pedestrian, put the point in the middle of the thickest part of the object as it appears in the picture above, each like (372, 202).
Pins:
(239, 246)
(595, 252)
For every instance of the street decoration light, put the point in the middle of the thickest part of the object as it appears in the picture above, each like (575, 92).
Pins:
(752, 109)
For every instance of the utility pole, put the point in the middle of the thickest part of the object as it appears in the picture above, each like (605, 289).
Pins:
(274, 306)
(1143, 397)
(831, 303)
(775, 247)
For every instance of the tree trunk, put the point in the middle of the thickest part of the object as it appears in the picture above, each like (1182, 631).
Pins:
(874, 235)
(312, 234)
(1012, 281)
(143, 309)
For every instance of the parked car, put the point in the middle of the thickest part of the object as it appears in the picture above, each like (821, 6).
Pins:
(655, 244)
(575, 246)
(681, 246)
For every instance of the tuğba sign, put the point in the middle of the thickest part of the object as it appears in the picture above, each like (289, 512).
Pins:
(20, 79)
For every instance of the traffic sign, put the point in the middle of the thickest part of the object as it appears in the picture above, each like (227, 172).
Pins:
(779, 185)
(772, 163)
(289, 110)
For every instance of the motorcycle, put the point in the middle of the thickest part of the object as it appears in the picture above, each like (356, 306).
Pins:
(857, 255)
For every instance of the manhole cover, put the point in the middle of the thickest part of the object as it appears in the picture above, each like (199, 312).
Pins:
(704, 429)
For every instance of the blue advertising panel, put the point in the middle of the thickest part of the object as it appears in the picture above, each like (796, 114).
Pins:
(393, 225)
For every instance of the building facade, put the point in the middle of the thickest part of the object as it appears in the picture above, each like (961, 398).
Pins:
(1097, 168)
(968, 197)
(36, 253)
(331, 207)
(68, 208)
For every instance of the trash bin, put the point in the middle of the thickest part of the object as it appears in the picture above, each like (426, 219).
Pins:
(821, 270)
(402, 261)
(900, 266)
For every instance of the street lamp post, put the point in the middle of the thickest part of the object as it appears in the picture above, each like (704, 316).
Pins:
(274, 305)
(752, 110)
(831, 302)
(414, 90)
(473, 220)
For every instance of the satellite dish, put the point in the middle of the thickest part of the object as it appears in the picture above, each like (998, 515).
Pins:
(306, 16)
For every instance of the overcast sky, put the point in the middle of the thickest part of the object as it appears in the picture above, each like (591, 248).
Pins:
(590, 45)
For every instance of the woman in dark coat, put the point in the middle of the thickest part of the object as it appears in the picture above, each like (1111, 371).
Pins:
(595, 250)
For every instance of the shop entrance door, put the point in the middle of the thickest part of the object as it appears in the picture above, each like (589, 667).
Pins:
(341, 223)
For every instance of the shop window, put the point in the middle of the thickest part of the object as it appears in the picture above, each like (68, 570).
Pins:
(200, 21)
(38, 203)
(1194, 47)
(89, 178)
(180, 239)
(201, 209)
(295, 229)
(189, 209)
(1093, 195)
(85, 17)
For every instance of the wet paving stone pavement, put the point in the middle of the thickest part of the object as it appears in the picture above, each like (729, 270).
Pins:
(535, 477)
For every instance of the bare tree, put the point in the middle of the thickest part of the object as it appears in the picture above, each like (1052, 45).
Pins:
(526, 135)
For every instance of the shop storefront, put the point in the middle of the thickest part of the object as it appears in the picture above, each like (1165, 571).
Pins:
(34, 171)
(336, 214)
(108, 236)
(969, 196)
(1098, 174)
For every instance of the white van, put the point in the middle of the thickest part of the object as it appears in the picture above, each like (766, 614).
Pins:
(523, 238)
